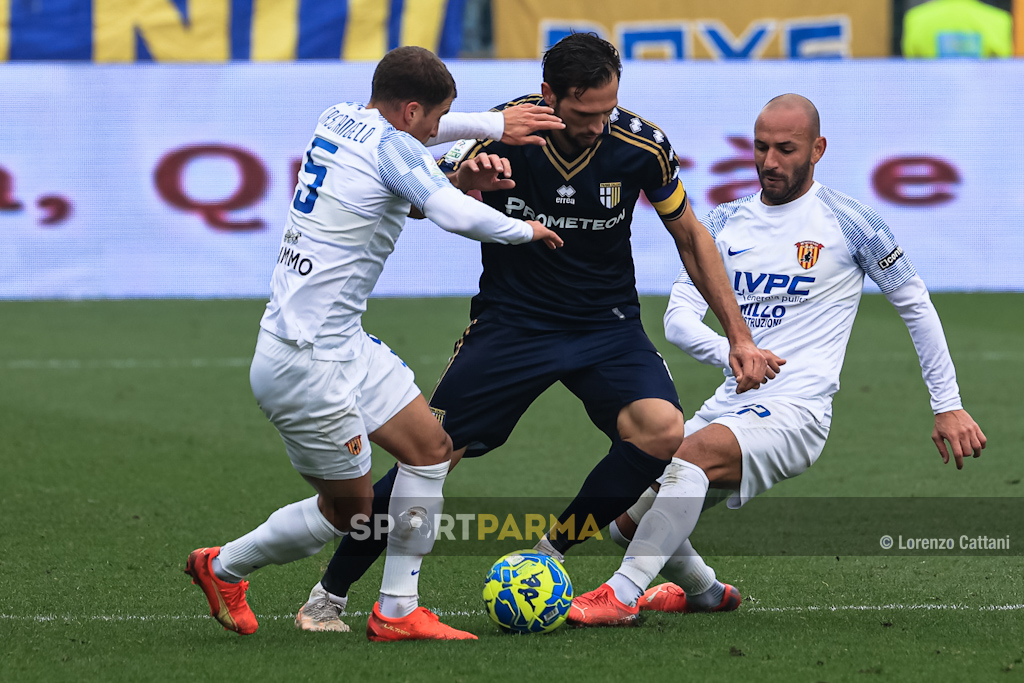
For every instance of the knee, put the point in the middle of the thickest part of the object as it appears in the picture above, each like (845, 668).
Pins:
(345, 513)
(720, 459)
(661, 436)
(437, 449)
(655, 426)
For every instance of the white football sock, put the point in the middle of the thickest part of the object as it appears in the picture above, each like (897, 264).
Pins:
(638, 509)
(416, 502)
(398, 606)
(688, 569)
(617, 536)
(709, 599)
(668, 523)
(625, 590)
(290, 533)
(685, 568)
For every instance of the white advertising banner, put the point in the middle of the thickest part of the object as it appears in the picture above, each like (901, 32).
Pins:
(174, 181)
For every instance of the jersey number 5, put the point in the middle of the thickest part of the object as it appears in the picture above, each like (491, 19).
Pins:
(306, 205)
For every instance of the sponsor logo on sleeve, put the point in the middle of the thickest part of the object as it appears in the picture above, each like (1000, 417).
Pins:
(458, 152)
(894, 256)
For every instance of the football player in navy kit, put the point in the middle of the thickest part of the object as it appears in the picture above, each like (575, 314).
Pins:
(571, 315)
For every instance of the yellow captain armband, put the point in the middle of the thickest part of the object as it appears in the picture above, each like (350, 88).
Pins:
(673, 201)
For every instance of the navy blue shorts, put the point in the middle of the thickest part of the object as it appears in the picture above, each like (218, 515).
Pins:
(497, 371)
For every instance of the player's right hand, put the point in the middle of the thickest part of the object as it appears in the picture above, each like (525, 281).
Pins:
(523, 121)
(540, 232)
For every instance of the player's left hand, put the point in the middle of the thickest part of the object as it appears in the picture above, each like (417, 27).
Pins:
(963, 434)
(484, 172)
(523, 121)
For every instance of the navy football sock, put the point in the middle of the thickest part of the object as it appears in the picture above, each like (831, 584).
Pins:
(352, 558)
(611, 487)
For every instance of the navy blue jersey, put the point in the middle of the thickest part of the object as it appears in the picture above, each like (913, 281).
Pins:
(588, 200)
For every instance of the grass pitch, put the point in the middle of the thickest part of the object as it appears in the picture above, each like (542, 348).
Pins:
(129, 436)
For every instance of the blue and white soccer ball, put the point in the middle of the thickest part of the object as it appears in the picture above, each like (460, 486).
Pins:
(527, 592)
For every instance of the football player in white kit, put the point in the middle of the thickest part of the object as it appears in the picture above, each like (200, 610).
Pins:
(328, 386)
(797, 253)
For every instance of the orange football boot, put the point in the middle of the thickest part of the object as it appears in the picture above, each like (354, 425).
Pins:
(420, 624)
(227, 600)
(600, 607)
(668, 597)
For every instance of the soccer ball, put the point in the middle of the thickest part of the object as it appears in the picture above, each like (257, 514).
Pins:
(527, 592)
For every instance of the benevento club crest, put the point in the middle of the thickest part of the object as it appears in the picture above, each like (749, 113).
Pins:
(807, 253)
(354, 445)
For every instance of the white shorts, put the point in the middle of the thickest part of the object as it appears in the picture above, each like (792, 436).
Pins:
(779, 440)
(326, 410)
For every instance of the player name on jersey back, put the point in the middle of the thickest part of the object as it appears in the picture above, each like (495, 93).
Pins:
(357, 179)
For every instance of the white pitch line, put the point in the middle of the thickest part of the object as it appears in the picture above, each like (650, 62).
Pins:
(126, 363)
(44, 618)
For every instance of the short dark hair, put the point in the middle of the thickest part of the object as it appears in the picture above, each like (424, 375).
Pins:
(580, 61)
(412, 74)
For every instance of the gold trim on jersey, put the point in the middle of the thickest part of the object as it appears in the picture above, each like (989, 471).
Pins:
(671, 204)
(570, 169)
(458, 347)
(526, 99)
(649, 145)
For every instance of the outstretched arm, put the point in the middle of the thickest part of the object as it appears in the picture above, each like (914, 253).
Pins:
(463, 215)
(516, 125)
(408, 171)
(953, 424)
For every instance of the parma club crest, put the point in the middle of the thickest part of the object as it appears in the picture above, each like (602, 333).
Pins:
(807, 253)
(438, 413)
(610, 194)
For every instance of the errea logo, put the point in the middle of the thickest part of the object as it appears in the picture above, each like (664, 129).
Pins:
(565, 195)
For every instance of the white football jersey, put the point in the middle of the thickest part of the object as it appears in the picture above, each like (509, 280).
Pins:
(358, 178)
(798, 272)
